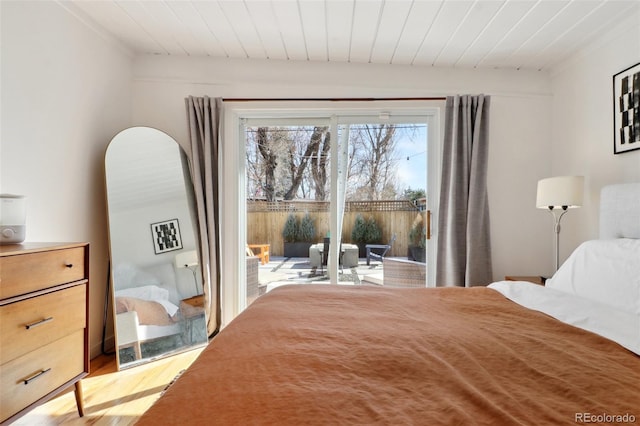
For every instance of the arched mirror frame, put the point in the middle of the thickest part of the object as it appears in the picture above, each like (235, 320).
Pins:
(156, 283)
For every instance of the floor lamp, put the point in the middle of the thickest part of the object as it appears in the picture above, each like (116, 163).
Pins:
(559, 194)
(189, 260)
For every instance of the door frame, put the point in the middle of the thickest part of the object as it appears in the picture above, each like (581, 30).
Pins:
(233, 172)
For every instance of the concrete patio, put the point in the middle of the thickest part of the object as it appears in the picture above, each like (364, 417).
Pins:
(280, 271)
(297, 270)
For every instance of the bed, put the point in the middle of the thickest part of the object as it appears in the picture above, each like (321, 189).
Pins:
(146, 307)
(512, 353)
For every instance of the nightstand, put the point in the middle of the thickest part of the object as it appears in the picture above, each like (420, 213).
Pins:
(531, 278)
(192, 310)
(192, 306)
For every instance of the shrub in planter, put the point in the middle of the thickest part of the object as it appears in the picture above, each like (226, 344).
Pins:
(418, 240)
(365, 232)
(359, 230)
(298, 235)
(290, 231)
(307, 229)
(373, 232)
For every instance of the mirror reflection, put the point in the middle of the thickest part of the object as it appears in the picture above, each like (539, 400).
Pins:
(155, 267)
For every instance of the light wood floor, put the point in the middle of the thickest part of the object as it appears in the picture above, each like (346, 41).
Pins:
(112, 397)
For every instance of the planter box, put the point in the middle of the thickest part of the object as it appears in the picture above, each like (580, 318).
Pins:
(419, 254)
(362, 250)
(296, 249)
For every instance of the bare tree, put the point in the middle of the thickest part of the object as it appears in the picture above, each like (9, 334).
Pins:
(279, 160)
(319, 160)
(293, 161)
(266, 148)
(298, 167)
(373, 168)
(253, 167)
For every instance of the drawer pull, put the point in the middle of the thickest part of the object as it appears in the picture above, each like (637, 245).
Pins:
(37, 323)
(35, 376)
(69, 265)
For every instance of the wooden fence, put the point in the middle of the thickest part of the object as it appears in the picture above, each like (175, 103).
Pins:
(265, 221)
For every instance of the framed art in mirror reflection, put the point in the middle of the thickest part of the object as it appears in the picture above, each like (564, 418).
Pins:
(166, 236)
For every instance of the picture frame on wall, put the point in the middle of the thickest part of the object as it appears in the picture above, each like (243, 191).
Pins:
(626, 110)
(166, 236)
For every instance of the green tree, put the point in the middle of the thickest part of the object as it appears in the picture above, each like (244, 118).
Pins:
(414, 194)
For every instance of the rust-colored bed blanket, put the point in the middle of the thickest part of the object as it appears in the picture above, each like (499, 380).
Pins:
(321, 354)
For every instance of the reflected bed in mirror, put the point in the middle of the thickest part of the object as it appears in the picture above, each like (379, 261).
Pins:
(156, 280)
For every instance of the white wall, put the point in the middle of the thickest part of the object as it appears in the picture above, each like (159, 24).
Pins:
(66, 91)
(520, 122)
(582, 126)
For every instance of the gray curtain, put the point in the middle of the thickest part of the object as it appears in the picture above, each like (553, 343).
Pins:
(203, 116)
(464, 245)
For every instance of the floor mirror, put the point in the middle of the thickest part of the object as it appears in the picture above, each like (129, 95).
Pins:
(156, 281)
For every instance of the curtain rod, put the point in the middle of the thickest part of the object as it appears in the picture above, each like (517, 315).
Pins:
(331, 99)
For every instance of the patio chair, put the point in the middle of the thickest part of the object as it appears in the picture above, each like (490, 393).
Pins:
(259, 250)
(382, 248)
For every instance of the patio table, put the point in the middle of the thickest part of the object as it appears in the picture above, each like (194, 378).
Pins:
(349, 255)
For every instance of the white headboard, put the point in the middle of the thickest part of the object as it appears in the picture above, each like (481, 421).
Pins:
(620, 211)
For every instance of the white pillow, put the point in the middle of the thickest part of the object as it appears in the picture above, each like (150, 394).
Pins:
(147, 292)
(607, 271)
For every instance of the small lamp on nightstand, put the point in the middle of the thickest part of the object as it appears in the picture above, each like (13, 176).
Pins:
(189, 260)
(559, 194)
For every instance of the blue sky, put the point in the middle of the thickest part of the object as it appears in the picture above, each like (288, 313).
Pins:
(412, 172)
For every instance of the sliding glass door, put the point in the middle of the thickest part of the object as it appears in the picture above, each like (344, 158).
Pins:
(331, 196)
(287, 182)
(381, 194)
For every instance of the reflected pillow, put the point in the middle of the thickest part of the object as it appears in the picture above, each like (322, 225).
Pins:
(150, 292)
(149, 312)
(606, 271)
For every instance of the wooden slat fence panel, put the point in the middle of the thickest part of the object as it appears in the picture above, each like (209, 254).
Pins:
(265, 221)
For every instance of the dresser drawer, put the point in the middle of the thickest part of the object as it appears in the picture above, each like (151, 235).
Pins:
(44, 370)
(28, 272)
(31, 323)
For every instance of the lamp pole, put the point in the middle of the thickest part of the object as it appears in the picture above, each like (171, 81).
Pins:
(195, 279)
(558, 194)
(557, 215)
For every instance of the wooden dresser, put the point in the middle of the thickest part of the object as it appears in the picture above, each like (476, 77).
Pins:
(44, 331)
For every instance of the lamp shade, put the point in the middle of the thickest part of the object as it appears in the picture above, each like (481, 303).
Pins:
(560, 191)
(187, 259)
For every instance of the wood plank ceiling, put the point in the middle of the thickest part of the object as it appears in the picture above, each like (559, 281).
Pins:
(511, 34)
